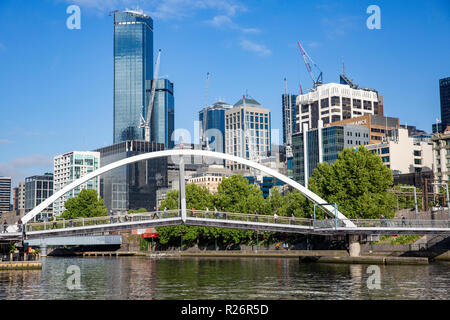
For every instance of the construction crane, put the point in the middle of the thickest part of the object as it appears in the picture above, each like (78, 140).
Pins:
(317, 81)
(145, 123)
(205, 112)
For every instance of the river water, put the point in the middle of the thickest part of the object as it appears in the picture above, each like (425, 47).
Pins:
(220, 278)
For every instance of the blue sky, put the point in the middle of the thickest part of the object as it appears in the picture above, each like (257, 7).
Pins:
(56, 84)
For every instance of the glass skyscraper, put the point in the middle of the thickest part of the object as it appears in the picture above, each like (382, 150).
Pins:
(133, 72)
(132, 186)
(213, 117)
(289, 109)
(444, 92)
(163, 114)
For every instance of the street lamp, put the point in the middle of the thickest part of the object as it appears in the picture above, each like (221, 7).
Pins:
(415, 198)
(446, 191)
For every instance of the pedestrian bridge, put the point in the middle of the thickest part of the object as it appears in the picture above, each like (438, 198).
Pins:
(100, 225)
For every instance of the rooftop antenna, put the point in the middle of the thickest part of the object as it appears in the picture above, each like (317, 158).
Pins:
(205, 111)
(343, 66)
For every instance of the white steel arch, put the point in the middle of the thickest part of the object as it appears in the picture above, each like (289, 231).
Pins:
(185, 152)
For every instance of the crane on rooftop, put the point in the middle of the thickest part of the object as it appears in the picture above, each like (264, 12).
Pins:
(316, 81)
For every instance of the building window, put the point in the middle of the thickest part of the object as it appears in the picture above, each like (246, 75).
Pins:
(417, 153)
(385, 159)
(335, 101)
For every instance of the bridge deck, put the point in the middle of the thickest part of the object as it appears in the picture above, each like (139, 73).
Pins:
(89, 226)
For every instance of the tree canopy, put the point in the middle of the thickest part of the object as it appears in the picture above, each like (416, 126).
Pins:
(87, 204)
(358, 182)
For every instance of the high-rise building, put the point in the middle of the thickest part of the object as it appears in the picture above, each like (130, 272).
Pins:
(333, 102)
(37, 189)
(5, 194)
(163, 113)
(133, 72)
(289, 109)
(212, 122)
(19, 197)
(69, 167)
(314, 146)
(444, 93)
(247, 131)
(132, 186)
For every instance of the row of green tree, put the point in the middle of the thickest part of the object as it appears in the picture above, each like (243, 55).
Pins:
(358, 182)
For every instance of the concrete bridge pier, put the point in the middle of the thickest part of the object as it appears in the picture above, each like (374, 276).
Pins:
(43, 248)
(353, 245)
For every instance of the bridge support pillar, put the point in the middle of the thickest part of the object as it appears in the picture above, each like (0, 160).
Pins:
(354, 245)
(43, 248)
(182, 191)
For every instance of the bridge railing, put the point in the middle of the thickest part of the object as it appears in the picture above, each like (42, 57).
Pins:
(400, 223)
(260, 218)
(110, 219)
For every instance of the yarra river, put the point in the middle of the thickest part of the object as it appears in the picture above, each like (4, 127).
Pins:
(221, 278)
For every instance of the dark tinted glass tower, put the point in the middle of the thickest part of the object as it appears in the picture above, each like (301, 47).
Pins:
(163, 113)
(132, 186)
(133, 72)
(444, 90)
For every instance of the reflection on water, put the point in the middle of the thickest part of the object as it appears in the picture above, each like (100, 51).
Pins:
(221, 278)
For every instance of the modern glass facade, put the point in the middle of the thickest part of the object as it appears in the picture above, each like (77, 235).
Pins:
(444, 91)
(132, 186)
(163, 113)
(326, 148)
(37, 189)
(213, 117)
(5, 194)
(133, 72)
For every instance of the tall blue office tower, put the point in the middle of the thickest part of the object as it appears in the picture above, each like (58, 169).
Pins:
(213, 117)
(163, 113)
(133, 72)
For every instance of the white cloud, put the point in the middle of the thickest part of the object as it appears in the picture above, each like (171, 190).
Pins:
(19, 168)
(225, 22)
(259, 49)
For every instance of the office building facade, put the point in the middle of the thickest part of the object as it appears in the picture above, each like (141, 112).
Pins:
(19, 197)
(132, 186)
(444, 93)
(334, 102)
(318, 145)
(289, 110)
(247, 131)
(404, 154)
(133, 72)
(5, 194)
(163, 113)
(441, 155)
(69, 167)
(212, 125)
(37, 189)
(378, 125)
